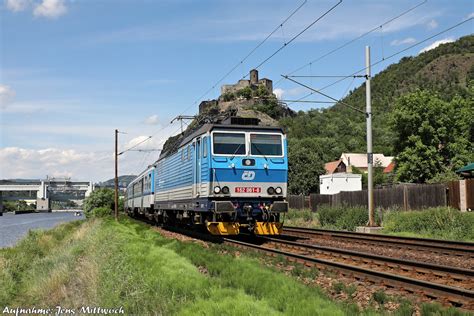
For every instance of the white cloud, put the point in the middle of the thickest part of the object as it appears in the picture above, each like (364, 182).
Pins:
(17, 5)
(152, 143)
(50, 8)
(7, 94)
(432, 24)
(437, 43)
(19, 162)
(279, 93)
(152, 120)
(470, 16)
(405, 41)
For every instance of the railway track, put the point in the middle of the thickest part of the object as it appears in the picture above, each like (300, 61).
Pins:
(367, 268)
(448, 285)
(459, 249)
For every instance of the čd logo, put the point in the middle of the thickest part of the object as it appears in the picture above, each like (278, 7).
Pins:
(248, 175)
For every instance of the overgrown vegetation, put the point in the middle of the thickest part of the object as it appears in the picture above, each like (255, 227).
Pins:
(302, 218)
(103, 263)
(100, 203)
(441, 222)
(343, 217)
(11, 206)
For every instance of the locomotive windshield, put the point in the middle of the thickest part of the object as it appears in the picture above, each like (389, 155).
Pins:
(229, 143)
(265, 145)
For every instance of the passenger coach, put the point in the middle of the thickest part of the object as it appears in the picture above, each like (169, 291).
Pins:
(223, 176)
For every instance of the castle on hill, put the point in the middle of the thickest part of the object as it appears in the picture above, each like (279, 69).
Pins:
(254, 83)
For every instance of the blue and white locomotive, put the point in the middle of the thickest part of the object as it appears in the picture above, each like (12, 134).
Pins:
(225, 177)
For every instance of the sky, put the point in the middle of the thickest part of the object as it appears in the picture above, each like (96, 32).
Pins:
(73, 71)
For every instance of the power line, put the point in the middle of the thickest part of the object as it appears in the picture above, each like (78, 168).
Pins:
(230, 71)
(354, 39)
(296, 36)
(392, 55)
(324, 94)
(330, 76)
(249, 54)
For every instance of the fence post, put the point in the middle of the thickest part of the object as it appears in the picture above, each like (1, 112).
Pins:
(405, 198)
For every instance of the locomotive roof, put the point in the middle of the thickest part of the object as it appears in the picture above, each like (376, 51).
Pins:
(208, 127)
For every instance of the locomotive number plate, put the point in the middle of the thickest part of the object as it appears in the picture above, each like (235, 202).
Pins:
(248, 190)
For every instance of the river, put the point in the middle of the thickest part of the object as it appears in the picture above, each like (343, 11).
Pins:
(14, 227)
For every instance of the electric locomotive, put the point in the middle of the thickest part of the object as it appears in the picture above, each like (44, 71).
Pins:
(228, 177)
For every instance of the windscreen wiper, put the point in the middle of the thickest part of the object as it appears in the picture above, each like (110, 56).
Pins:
(256, 147)
(233, 155)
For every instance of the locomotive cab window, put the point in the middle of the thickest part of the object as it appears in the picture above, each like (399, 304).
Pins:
(229, 144)
(265, 145)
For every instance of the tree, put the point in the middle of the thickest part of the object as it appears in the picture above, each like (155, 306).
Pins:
(99, 198)
(432, 136)
(304, 168)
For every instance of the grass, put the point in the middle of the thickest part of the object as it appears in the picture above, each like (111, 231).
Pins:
(440, 222)
(302, 218)
(100, 262)
(103, 263)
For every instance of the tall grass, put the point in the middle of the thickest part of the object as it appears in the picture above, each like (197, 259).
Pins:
(103, 263)
(440, 222)
(302, 218)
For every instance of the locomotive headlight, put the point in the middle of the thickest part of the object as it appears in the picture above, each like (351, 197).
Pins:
(278, 190)
(271, 191)
(225, 190)
(247, 162)
(217, 190)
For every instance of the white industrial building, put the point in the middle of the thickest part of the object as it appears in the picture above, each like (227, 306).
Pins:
(337, 182)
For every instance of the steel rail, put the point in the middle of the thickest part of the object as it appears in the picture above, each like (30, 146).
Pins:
(458, 297)
(413, 263)
(445, 245)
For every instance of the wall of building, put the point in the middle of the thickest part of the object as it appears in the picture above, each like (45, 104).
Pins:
(338, 182)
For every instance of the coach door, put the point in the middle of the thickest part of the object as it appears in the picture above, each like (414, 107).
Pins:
(197, 168)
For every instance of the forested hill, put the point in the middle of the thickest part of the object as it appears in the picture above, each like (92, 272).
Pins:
(422, 109)
(445, 70)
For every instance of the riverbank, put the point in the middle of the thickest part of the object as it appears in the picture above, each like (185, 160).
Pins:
(108, 264)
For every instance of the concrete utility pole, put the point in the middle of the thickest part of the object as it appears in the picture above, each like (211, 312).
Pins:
(370, 157)
(116, 175)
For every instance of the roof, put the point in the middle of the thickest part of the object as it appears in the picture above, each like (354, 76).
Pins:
(389, 168)
(360, 160)
(332, 166)
(208, 127)
(467, 168)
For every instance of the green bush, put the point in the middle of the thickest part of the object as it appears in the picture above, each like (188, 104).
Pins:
(301, 218)
(101, 212)
(99, 198)
(343, 217)
(246, 93)
(440, 222)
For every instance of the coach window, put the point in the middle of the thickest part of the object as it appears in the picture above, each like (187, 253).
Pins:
(204, 147)
(229, 143)
(265, 145)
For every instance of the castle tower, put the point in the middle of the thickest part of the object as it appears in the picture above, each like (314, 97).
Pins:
(253, 76)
